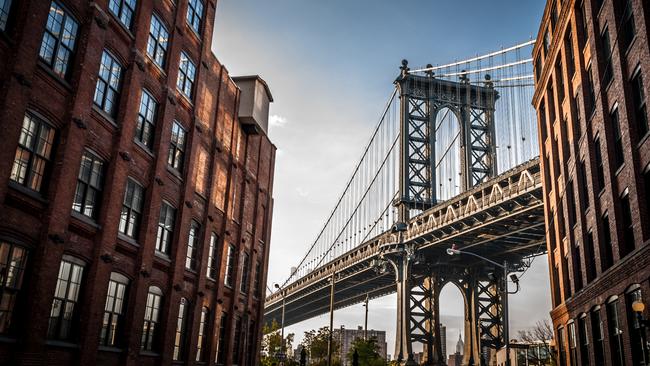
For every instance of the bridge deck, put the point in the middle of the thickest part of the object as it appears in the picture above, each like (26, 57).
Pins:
(502, 219)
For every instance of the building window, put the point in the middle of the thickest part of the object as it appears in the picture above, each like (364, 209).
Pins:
(59, 39)
(186, 74)
(634, 327)
(194, 14)
(222, 341)
(165, 228)
(243, 286)
(590, 102)
(590, 257)
(5, 7)
(607, 53)
(131, 209)
(598, 336)
(13, 259)
(598, 4)
(547, 41)
(577, 266)
(176, 147)
(151, 319)
(33, 153)
(87, 196)
(615, 333)
(584, 340)
(638, 93)
(146, 123)
(257, 285)
(202, 338)
(123, 10)
(573, 350)
(66, 295)
(192, 245)
(230, 266)
(626, 245)
(646, 185)
(628, 28)
(559, 80)
(157, 42)
(114, 310)
(212, 257)
(619, 158)
(538, 68)
(570, 200)
(179, 337)
(107, 90)
(600, 169)
(236, 340)
(584, 184)
(606, 259)
(585, 27)
(568, 46)
(561, 345)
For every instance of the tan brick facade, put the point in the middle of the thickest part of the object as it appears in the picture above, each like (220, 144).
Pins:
(223, 185)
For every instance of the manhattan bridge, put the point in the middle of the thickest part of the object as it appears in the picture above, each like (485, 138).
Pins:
(450, 168)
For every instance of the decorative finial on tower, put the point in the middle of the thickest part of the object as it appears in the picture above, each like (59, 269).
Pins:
(463, 77)
(405, 69)
(488, 81)
(430, 72)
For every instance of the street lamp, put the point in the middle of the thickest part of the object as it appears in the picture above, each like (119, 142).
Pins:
(282, 349)
(638, 307)
(513, 277)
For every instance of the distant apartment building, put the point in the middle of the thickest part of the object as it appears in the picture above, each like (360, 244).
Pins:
(135, 187)
(346, 337)
(592, 76)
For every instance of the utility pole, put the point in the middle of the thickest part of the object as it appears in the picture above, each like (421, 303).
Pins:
(505, 312)
(329, 341)
(365, 327)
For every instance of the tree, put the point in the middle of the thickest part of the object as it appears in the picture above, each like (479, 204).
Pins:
(316, 344)
(368, 352)
(541, 333)
(272, 342)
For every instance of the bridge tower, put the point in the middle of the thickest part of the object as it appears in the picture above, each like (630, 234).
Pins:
(422, 97)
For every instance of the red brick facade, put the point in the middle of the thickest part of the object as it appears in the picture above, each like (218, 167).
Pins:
(592, 66)
(222, 185)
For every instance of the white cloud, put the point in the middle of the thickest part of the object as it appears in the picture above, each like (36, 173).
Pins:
(302, 192)
(277, 121)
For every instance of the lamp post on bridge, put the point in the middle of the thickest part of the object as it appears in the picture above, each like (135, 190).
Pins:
(365, 326)
(282, 348)
(504, 266)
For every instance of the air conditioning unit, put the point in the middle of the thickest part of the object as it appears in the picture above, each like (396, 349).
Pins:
(253, 103)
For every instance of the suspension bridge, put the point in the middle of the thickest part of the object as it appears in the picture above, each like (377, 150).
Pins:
(452, 162)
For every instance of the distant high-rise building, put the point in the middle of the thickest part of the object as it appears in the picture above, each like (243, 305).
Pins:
(443, 341)
(457, 358)
(592, 89)
(346, 337)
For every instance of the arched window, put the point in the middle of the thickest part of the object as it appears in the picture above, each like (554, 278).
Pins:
(179, 337)
(13, 259)
(112, 324)
(64, 313)
(151, 318)
(203, 330)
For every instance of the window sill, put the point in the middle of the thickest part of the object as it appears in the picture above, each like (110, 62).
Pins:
(54, 75)
(163, 257)
(631, 45)
(185, 99)
(28, 192)
(643, 139)
(62, 344)
(197, 36)
(149, 354)
(174, 172)
(619, 169)
(159, 69)
(105, 116)
(127, 239)
(121, 26)
(110, 349)
(144, 148)
(85, 219)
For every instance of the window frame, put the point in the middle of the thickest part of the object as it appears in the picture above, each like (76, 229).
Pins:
(165, 229)
(58, 40)
(150, 331)
(122, 4)
(145, 125)
(11, 290)
(245, 273)
(132, 222)
(212, 271)
(230, 266)
(640, 105)
(195, 15)
(87, 186)
(46, 158)
(203, 335)
(180, 333)
(155, 43)
(184, 78)
(5, 10)
(176, 154)
(108, 85)
(193, 246)
(113, 315)
(55, 328)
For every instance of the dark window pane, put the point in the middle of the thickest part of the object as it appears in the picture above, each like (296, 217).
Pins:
(63, 314)
(59, 39)
(33, 153)
(157, 41)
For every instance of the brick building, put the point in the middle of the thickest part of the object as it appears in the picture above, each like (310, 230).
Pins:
(592, 73)
(135, 187)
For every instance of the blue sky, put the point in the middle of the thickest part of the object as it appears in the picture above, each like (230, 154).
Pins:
(330, 66)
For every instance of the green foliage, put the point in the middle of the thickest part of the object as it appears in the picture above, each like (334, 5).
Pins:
(272, 342)
(368, 352)
(315, 343)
